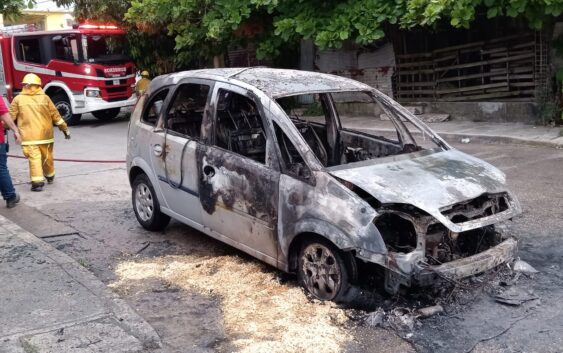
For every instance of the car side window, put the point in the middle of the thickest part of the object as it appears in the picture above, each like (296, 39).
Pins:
(187, 109)
(153, 110)
(294, 163)
(238, 126)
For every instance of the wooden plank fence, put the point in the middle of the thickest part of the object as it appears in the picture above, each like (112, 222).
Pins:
(504, 68)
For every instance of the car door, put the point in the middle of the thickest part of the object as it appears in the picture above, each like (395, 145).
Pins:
(174, 146)
(239, 173)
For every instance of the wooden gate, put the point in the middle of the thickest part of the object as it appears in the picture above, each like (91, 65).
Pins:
(503, 69)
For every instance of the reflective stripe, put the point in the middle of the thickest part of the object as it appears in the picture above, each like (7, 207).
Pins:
(60, 122)
(37, 142)
(37, 178)
(50, 175)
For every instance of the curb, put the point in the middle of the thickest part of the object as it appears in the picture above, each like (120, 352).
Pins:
(128, 318)
(456, 137)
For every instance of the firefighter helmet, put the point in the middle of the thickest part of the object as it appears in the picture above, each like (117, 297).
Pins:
(144, 73)
(31, 79)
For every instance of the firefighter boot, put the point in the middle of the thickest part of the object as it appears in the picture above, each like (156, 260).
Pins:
(37, 186)
(50, 179)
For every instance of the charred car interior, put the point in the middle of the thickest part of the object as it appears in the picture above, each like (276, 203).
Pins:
(286, 166)
(329, 124)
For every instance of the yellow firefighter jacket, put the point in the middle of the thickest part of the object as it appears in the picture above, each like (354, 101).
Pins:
(142, 86)
(34, 113)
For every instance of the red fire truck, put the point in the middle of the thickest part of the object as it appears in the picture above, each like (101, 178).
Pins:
(83, 70)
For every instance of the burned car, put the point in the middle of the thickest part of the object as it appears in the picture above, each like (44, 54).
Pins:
(285, 166)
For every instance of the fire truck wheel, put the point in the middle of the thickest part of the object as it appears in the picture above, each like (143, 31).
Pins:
(65, 109)
(107, 114)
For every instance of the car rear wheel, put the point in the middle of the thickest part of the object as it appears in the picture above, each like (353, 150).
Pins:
(106, 114)
(322, 270)
(146, 205)
(65, 109)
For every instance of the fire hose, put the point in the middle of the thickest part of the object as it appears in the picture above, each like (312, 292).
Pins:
(74, 160)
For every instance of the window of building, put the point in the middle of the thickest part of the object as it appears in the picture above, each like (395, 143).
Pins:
(187, 109)
(239, 126)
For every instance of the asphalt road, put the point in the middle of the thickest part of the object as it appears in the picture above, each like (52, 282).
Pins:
(87, 214)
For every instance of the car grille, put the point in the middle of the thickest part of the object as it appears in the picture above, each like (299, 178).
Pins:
(482, 206)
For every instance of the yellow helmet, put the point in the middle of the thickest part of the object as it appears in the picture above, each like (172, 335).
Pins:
(31, 79)
(144, 73)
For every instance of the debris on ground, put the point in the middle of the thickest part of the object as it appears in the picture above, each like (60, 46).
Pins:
(375, 319)
(523, 267)
(401, 320)
(429, 311)
(465, 140)
(515, 296)
(145, 245)
(275, 318)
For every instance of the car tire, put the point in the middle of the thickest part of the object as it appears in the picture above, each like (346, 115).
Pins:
(146, 205)
(323, 270)
(106, 114)
(65, 109)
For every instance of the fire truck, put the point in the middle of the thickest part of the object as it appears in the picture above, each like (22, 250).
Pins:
(84, 70)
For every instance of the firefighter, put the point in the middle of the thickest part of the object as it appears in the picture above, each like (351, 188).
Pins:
(34, 113)
(143, 83)
(6, 186)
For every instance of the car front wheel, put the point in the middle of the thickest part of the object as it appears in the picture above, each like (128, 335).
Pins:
(146, 206)
(322, 270)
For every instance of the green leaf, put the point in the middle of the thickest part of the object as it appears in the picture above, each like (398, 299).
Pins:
(492, 12)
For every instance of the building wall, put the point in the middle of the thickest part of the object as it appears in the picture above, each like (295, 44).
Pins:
(56, 21)
(374, 68)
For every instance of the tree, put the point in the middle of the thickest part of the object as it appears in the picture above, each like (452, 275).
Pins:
(201, 29)
(10, 8)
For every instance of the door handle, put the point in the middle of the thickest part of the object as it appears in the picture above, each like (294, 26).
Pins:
(209, 171)
(157, 150)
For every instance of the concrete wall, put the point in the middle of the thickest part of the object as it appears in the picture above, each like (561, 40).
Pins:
(374, 68)
(496, 112)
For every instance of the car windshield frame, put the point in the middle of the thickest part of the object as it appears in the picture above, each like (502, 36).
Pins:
(396, 113)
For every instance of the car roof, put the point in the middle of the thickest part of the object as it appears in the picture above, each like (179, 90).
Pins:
(273, 82)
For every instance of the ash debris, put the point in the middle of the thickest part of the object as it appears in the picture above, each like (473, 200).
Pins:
(407, 311)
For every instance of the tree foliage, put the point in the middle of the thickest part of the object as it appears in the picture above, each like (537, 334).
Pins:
(11, 8)
(203, 28)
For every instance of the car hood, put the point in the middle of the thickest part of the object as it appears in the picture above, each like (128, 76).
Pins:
(429, 181)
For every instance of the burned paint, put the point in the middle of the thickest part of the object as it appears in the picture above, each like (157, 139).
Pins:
(237, 184)
(417, 212)
(430, 183)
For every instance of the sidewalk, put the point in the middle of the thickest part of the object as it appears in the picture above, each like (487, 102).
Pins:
(455, 131)
(50, 303)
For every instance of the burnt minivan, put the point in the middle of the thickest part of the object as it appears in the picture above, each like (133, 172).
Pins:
(290, 167)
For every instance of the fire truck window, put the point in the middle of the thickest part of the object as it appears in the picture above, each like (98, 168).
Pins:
(29, 51)
(239, 126)
(186, 111)
(62, 49)
(155, 105)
